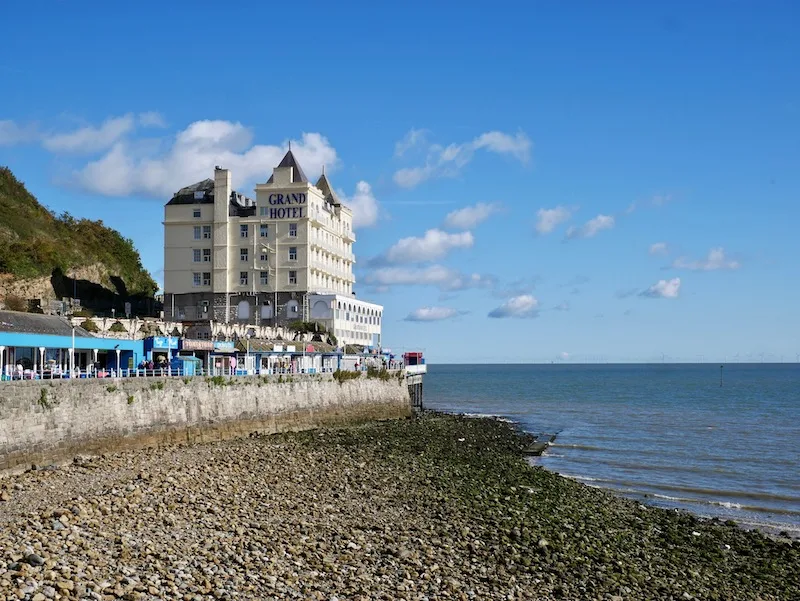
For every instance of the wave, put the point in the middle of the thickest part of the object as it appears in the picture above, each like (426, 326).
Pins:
(499, 418)
(711, 496)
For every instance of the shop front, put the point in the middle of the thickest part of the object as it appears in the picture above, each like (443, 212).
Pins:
(223, 358)
(160, 349)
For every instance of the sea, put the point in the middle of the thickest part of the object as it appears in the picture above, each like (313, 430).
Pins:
(717, 440)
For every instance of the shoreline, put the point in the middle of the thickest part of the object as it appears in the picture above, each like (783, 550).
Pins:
(436, 506)
(772, 528)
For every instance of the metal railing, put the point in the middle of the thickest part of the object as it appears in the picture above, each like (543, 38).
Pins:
(166, 372)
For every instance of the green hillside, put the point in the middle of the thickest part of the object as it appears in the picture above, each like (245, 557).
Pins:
(34, 242)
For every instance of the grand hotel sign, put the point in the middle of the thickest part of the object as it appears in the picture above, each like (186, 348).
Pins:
(290, 205)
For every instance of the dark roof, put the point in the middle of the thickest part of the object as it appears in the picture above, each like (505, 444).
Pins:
(327, 190)
(33, 323)
(298, 177)
(186, 196)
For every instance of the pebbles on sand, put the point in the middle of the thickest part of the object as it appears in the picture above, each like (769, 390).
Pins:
(439, 507)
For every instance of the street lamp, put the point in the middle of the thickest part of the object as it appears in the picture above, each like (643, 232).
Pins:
(41, 362)
(274, 276)
(72, 355)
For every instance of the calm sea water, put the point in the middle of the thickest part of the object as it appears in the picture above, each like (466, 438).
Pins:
(667, 434)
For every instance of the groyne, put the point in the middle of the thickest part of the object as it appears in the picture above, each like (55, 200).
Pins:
(45, 422)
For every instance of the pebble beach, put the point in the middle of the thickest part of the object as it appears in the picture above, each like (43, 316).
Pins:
(433, 507)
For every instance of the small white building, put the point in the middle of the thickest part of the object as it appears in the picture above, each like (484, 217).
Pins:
(351, 320)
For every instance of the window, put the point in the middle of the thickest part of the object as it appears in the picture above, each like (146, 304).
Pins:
(293, 253)
(206, 255)
(243, 230)
(293, 230)
(197, 232)
(196, 213)
(292, 277)
(263, 230)
(196, 255)
(206, 280)
(206, 232)
(243, 278)
(264, 276)
(243, 254)
(195, 279)
(263, 257)
(262, 211)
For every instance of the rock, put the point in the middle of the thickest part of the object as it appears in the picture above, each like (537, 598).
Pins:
(34, 560)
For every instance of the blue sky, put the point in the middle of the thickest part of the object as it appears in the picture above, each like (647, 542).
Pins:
(540, 181)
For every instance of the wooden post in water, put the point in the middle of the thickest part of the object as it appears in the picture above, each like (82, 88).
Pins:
(720, 375)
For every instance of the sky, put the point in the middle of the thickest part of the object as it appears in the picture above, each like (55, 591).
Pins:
(531, 182)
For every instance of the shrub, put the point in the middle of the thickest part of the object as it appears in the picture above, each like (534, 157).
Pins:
(379, 374)
(111, 389)
(216, 381)
(157, 386)
(343, 375)
(117, 327)
(90, 326)
(43, 402)
(130, 399)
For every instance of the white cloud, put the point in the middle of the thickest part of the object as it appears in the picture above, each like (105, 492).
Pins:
(129, 169)
(469, 217)
(715, 260)
(151, 119)
(363, 204)
(448, 161)
(518, 146)
(432, 314)
(519, 306)
(659, 248)
(12, 133)
(664, 289)
(91, 139)
(414, 137)
(548, 219)
(433, 245)
(432, 275)
(591, 227)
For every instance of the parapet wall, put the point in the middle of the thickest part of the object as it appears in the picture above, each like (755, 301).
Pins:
(50, 421)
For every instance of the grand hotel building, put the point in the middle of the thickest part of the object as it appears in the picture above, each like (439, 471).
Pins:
(285, 256)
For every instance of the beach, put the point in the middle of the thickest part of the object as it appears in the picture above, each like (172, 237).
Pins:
(433, 507)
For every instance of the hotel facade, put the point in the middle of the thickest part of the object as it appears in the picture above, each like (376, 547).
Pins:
(285, 256)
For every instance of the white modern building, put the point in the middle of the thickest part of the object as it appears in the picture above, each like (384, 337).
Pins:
(229, 258)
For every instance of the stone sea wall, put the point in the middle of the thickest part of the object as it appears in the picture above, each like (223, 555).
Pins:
(52, 421)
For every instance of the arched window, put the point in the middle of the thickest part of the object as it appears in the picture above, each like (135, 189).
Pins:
(243, 310)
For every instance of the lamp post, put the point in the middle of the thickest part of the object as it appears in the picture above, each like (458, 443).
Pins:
(169, 355)
(72, 355)
(247, 355)
(274, 275)
(41, 362)
(119, 369)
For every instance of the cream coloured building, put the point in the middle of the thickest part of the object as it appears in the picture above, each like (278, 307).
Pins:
(230, 258)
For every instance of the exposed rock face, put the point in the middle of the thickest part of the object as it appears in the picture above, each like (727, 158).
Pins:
(42, 289)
